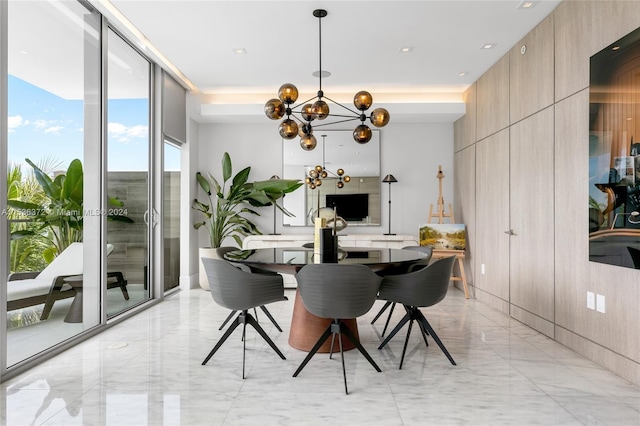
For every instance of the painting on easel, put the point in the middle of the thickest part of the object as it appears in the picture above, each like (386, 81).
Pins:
(440, 236)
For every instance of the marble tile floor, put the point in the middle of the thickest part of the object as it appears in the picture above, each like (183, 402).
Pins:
(27, 335)
(147, 371)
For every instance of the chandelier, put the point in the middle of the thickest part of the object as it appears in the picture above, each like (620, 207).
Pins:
(317, 108)
(316, 174)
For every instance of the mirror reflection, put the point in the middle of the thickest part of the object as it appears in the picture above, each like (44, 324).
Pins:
(356, 198)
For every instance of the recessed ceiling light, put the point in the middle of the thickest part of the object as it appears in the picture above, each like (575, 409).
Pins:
(615, 48)
(239, 51)
(488, 46)
(462, 73)
(406, 49)
(527, 4)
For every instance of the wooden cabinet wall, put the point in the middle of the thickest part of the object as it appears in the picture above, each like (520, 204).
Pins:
(544, 146)
(531, 72)
(465, 127)
(492, 218)
(492, 99)
(531, 266)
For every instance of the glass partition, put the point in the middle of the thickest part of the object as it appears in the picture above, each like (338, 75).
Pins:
(357, 201)
(53, 67)
(171, 215)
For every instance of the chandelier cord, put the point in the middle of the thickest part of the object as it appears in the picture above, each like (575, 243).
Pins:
(320, 51)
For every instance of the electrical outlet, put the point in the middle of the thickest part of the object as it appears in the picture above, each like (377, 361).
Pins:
(591, 300)
(600, 305)
(482, 270)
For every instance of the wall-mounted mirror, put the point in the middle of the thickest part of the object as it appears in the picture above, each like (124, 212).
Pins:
(358, 201)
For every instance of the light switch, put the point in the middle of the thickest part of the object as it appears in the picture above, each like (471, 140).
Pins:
(600, 303)
(591, 300)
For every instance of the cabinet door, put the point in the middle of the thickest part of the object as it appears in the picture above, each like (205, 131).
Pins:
(492, 220)
(531, 217)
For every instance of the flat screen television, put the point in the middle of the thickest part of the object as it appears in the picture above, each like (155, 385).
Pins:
(351, 207)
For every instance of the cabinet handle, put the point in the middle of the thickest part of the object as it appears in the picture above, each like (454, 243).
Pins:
(510, 232)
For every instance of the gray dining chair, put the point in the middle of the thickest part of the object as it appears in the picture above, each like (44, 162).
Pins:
(220, 251)
(422, 263)
(330, 290)
(419, 289)
(238, 290)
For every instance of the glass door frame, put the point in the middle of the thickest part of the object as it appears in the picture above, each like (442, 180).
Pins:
(4, 224)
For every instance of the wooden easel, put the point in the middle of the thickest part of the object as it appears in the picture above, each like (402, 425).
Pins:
(441, 213)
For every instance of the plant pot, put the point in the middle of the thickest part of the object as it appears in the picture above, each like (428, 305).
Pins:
(208, 252)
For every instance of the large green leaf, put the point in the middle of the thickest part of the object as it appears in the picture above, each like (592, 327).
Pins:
(227, 169)
(204, 183)
(48, 186)
(30, 209)
(241, 177)
(72, 186)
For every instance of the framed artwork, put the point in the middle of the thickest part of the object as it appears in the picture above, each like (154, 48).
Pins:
(443, 236)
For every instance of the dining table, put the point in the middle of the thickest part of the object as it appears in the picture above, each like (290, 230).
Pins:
(306, 328)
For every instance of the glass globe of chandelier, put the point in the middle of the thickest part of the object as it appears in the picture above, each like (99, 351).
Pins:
(315, 176)
(299, 117)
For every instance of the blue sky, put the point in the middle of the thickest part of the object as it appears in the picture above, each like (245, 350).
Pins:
(43, 125)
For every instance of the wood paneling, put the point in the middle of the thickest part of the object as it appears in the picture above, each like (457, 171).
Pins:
(493, 99)
(573, 40)
(465, 127)
(492, 215)
(546, 155)
(531, 72)
(465, 201)
(531, 214)
(571, 214)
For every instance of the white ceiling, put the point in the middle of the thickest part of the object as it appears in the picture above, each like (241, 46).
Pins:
(361, 43)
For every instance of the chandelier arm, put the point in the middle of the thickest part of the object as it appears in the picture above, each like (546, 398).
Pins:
(347, 108)
(335, 122)
(302, 103)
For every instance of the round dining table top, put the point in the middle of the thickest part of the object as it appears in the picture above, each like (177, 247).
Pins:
(290, 260)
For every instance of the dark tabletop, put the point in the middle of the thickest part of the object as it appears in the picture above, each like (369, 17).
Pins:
(291, 259)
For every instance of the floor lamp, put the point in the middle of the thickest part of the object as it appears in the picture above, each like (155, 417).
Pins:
(275, 210)
(389, 179)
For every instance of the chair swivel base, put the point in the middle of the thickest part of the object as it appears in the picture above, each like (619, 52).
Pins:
(336, 328)
(414, 314)
(243, 318)
(264, 309)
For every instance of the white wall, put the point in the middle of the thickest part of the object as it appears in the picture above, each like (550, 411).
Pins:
(411, 152)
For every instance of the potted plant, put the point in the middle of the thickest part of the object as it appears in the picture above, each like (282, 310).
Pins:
(228, 206)
(59, 218)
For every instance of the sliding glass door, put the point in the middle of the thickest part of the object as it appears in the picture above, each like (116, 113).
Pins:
(53, 129)
(130, 216)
